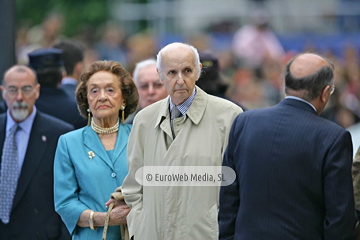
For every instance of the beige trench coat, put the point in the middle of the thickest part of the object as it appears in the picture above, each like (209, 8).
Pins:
(177, 212)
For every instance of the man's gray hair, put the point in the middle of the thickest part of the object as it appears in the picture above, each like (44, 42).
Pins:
(141, 65)
(196, 59)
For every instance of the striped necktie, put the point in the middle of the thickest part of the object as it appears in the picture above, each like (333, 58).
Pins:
(9, 174)
(175, 113)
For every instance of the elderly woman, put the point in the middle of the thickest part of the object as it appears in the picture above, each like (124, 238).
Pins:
(90, 163)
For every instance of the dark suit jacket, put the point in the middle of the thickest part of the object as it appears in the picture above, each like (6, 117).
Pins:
(33, 214)
(293, 173)
(55, 102)
(3, 106)
(69, 89)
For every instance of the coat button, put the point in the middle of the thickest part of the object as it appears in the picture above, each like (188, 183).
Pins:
(113, 174)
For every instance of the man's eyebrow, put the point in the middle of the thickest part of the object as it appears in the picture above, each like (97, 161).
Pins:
(12, 86)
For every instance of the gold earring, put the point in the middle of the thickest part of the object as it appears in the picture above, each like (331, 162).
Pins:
(89, 117)
(123, 114)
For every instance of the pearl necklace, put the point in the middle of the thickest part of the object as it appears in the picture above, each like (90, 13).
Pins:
(102, 130)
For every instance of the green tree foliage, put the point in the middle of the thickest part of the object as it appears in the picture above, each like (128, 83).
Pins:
(77, 13)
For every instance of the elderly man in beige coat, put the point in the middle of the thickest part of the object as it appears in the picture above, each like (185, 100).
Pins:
(197, 138)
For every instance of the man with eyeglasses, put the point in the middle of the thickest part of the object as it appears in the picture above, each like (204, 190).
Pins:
(28, 140)
(149, 86)
(293, 167)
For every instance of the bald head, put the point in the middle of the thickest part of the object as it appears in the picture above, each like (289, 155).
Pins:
(177, 51)
(307, 75)
(20, 91)
(307, 64)
(19, 69)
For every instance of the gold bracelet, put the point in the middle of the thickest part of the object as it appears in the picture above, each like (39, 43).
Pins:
(91, 221)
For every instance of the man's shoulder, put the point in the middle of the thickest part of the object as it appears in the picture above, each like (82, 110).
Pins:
(52, 122)
(223, 107)
(151, 110)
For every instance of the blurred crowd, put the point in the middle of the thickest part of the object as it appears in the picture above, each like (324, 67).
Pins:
(251, 66)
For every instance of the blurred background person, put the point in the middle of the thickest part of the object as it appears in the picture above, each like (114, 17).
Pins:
(149, 85)
(211, 80)
(255, 43)
(141, 46)
(28, 140)
(91, 162)
(42, 35)
(331, 28)
(49, 67)
(73, 56)
(111, 45)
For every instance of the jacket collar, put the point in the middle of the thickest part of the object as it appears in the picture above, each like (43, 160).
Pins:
(195, 112)
(94, 144)
(299, 104)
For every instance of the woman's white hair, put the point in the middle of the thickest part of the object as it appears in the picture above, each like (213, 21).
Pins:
(196, 59)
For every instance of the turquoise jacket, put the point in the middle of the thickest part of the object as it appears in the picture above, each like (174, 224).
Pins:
(85, 176)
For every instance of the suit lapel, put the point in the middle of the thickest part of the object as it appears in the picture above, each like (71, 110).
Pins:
(2, 133)
(93, 143)
(34, 155)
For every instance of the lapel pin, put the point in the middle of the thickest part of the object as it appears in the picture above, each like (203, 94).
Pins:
(43, 138)
(91, 155)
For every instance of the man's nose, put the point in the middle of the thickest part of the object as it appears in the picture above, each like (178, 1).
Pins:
(180, 79)
(151, 89)
(19, 96)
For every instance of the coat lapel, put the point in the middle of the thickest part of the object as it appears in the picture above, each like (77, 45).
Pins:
(34, 155)
(163, 119)
(197, 108)
(195, 112)
(93, 143)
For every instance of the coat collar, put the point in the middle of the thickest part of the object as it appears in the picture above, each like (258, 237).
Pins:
(298, 104)
(94, 144)
(195, 112)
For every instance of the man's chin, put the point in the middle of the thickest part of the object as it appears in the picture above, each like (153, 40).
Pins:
(20, 115)
(150, 102)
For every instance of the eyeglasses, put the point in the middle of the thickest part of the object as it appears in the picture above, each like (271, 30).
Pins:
(14, 91)
(332, 89)
(155, 85)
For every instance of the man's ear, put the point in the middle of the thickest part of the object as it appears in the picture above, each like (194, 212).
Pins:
(200, 72)
(79, 68)
(63, 73)
(2, 89)
(157, 70)
(325, 94)
(37, 89)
